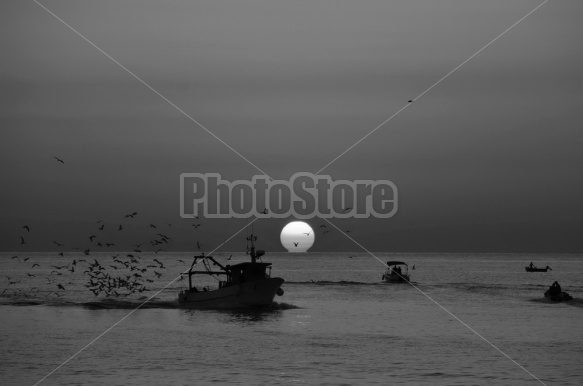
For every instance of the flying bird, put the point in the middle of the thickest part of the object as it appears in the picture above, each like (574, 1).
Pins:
(101, 227)
(120, 228)
(92, 237)
(307, 234)
(60, 286)
(295, 244)
(22, 240)
(26, 227)
(60, 160)
(58, 244)
(410, 100)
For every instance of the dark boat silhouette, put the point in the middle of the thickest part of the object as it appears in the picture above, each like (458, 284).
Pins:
(245, 285)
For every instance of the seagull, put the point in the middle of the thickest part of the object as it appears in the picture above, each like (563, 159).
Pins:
(120, 228)
(26, 227)
(323, 226)
(92, 237)
(307, 234)
(295, 244)
(101, 227)
(152, 226)
(60, 286)
(60, 160)
(22, 240)
(35, 265)
(229, 258)
(15, 257)
(61, 254)
(410, 100)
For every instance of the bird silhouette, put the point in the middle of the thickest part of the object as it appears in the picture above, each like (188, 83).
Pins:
(307, 234)
(229, 258)
(92, 237)
(26, 227)
(295, 244)
(152, 226)
(410, 100)
(120, 228)
(60, 160)
(35, 265)
(58, 244)
(101, 227)
(60, 286)
(22, 240)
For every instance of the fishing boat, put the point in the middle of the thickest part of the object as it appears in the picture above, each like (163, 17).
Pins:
(240, 286)
(532, 268)
(397, 272)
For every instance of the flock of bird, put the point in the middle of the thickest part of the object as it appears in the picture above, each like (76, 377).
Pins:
(125, 274)
(119, 274)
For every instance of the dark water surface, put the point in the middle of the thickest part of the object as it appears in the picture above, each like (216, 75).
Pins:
(336, 324)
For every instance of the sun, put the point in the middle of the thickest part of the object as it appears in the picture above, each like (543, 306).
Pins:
(297, 236)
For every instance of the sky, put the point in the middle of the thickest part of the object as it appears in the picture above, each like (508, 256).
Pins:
(488, 160)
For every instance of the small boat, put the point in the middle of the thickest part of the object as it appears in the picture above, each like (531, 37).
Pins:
(535, 269)
(397, 272)
(240, 286)
(557, 297)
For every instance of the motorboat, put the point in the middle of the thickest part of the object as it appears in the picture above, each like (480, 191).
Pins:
(397, 272)
(240, 286)
(556, 294)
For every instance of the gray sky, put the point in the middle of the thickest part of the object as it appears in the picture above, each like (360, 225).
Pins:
(488, 160)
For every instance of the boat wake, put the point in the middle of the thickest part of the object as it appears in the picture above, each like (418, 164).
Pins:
(327, 282)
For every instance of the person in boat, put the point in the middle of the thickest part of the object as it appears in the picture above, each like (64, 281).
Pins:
(531, 265)
(555, 289)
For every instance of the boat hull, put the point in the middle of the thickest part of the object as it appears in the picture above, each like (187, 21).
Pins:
(528, 269)
(254, 294)
(563, 296)
(396, 278)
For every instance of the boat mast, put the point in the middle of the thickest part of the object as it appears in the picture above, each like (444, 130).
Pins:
(252, 248)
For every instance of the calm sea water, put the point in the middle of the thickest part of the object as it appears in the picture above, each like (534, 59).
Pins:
(336, 324)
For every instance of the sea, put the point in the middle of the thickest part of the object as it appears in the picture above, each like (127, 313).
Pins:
(465, 319)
